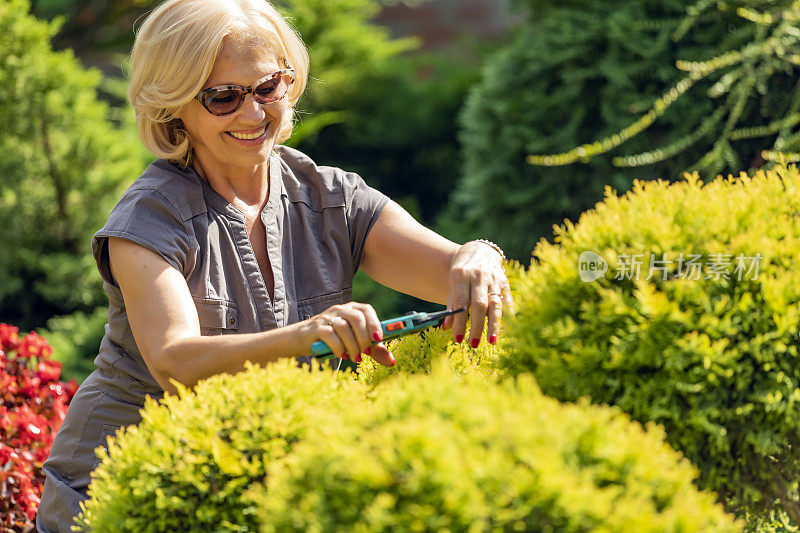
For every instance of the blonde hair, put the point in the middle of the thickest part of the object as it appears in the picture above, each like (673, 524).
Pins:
(174, 53)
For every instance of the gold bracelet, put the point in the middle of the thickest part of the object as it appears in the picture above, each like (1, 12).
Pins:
(494, 247)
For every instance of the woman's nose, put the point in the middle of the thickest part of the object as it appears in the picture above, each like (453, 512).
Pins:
(251, 109)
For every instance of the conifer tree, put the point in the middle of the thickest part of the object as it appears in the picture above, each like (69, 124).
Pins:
(684, 85)
(63, 163)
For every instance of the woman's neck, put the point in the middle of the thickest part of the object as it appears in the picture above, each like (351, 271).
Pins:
(245, 188)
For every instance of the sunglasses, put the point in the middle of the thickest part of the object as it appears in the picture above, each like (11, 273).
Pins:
(225, 99)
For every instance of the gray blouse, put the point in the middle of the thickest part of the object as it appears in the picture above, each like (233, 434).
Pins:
(316, 218)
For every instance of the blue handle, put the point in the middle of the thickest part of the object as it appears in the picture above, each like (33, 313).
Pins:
(391, 329)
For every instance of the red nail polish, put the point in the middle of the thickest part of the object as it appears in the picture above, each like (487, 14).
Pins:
(368, 351)
(492, 339)
(377, 337)
(344, 356)
(475, 343)
(459, 338)
(357, 358)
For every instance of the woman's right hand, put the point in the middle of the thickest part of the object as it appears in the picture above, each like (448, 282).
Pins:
(349, 330)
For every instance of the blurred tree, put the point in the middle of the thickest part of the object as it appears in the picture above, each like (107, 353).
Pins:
(401, 129)
(95, 29)
(582, 70)
(765, 62)
(63, 165)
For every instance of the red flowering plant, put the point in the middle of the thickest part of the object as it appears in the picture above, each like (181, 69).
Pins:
(33, 403)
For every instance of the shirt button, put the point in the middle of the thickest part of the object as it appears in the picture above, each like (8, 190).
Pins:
(306, 317)
(232, 320)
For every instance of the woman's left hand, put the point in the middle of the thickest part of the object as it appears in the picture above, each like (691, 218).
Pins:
(478, 283)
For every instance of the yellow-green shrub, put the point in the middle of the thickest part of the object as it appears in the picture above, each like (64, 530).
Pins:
(713, 360)
(462, 453)
(416, 354)
(186, 466)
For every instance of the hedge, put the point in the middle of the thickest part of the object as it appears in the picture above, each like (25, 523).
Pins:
(279, 448)
(188, 464)
(445, 452)
(709, 352)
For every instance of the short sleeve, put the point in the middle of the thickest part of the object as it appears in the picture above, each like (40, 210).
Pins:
(363, 205)
(148, 218)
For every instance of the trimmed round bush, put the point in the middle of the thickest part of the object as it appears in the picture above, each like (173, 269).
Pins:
(710, 351)
(187, 465)
(448, 452)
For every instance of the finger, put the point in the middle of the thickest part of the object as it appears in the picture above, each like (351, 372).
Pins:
(460, 296)
(348, 339)
(354, 315)
(328, 335)
(447, 323)
(382, 355)
(479, 305)
(494, 314)
(373, 324)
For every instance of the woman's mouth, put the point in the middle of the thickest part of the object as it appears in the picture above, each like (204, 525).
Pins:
(249, 136)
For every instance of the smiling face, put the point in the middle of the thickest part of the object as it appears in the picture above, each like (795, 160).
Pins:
(244, 139)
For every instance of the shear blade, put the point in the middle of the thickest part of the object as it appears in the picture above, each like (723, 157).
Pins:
(439, 315)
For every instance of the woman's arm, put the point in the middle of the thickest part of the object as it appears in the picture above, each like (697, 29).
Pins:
(404, 255)
(165, 325)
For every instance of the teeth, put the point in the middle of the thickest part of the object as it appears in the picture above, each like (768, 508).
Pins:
(249, 136)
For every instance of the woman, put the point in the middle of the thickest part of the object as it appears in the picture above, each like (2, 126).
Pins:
(229, 233)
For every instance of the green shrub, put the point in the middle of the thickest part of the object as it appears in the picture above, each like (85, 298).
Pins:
(63, 164)
(761, 55)
(417, 354)
(463, 453)
(186, 466)
(714, 359)
(582, 70)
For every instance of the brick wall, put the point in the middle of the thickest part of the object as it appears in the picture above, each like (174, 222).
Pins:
(440, 22)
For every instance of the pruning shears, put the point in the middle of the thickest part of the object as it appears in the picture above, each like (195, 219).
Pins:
(395, 327)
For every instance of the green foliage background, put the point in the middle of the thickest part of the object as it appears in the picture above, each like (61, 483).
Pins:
(64, 163)
(581, 71)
